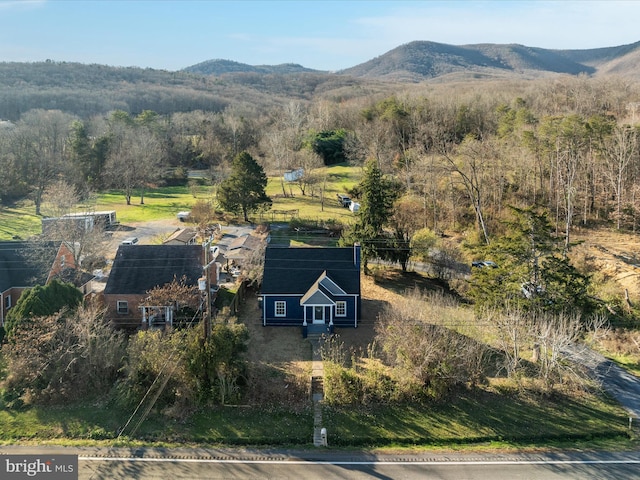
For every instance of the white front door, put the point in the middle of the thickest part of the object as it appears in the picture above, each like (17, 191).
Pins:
(318, 315)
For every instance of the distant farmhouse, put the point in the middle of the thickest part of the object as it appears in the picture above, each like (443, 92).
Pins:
(182, 236)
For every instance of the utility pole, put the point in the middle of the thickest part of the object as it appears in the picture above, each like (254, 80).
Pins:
(207, 267)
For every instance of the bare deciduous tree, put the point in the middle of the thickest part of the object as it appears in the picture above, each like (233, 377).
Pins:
(417, 340)
(38, 144)
(135, 160)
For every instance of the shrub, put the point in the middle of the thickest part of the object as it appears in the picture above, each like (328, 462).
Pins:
(62, 357)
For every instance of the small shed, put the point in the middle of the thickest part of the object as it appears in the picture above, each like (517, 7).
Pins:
(294, 175)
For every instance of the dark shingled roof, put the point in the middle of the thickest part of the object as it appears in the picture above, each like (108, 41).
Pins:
(15, 268)
(139, 268)
(295, 270)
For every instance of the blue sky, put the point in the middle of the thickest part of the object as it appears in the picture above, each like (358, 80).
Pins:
(325, 35)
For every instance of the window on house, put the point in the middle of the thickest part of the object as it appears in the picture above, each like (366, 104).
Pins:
(7, 302)
(341, 309)
(123, 306)
(281, 309)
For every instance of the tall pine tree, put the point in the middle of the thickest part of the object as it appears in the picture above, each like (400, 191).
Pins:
(244, 190)
(376, 209)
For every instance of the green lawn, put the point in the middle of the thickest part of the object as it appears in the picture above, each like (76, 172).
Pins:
(480, 416)
(20, 222)
(468, 420)
(87, 424)
(159, 204)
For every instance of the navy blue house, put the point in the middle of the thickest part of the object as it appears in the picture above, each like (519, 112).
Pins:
(314, 288)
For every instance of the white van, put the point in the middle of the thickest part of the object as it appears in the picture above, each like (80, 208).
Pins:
(129, 241)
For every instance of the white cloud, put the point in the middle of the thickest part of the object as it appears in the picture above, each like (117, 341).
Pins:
(6, 5)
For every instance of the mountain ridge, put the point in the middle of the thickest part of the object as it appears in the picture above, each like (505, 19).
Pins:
(423, 60)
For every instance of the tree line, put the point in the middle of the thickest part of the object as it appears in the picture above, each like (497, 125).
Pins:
(464, 152)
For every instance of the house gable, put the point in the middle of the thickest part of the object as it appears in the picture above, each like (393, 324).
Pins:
(316, 297)
(24, 265)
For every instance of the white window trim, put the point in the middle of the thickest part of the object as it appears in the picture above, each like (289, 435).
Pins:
(7, 302)
(343, 304)
(125, 310)
(277, 304)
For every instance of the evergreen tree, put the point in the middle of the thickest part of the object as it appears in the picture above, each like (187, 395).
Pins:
(244, 190)
(376, 210)
(531, 269)
(41, 301)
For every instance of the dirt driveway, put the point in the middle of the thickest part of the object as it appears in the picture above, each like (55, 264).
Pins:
(147, 233)
(283, 346)
(615, 254)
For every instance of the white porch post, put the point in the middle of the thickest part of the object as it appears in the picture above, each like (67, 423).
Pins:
(168, 315)
(355, 309)
(144, 315)
(304, 309)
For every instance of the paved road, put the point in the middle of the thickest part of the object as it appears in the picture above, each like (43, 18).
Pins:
(203, 463)
(622, 385)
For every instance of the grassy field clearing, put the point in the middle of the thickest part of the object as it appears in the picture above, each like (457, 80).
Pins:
(20, 222)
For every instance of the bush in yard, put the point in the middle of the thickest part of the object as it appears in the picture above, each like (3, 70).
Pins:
(62, 357)
(155, 361)
(182, 369)
(217, 365)
(342, 385)
(41, 301)
(416, 358)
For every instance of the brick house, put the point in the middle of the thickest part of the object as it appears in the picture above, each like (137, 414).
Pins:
(25, 264)
(138, 269)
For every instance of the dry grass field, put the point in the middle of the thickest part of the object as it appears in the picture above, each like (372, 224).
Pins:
(614, 255)
(282, 346)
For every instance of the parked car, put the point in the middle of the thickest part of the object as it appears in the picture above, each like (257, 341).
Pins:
(130, 241)
(183, 216)
(530, 290)
(484, 264)
(344, 200)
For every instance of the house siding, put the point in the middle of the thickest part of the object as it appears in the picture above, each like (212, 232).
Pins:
(295, 311)
(13, 293)
(130, 320)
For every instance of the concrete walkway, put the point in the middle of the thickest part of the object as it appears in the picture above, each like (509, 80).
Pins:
(317, 388)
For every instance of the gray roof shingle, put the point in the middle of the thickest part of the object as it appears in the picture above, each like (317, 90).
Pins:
(17, 269)
(139, 268)
(295, 270)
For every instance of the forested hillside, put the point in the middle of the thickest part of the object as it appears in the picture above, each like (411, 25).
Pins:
(88, 90)
(420, 60)
(464, 151)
